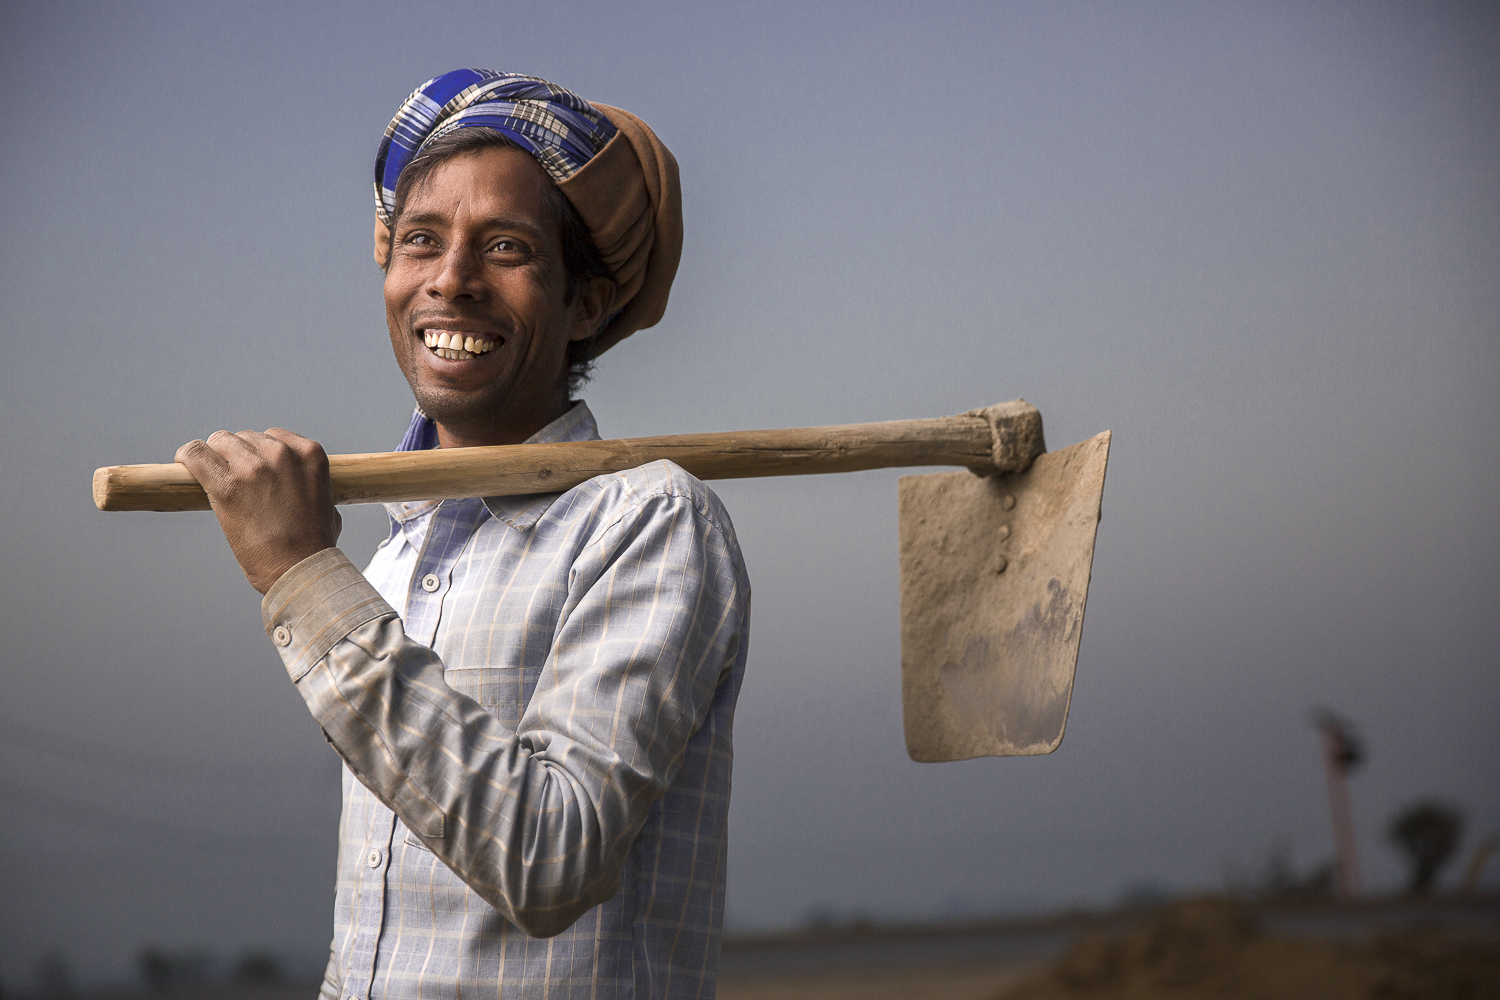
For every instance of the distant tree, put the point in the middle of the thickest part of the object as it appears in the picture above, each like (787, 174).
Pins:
(256, 968)
(1427, 833)
(1279, 878)
(165, 971)
(157, 968)
(820, 918)
(54, 975)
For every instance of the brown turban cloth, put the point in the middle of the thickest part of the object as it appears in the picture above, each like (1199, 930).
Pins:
(627, 192)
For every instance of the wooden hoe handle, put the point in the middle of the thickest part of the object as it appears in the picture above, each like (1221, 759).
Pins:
(1001, 438)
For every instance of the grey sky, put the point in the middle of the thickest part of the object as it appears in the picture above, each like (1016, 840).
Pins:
(1259, 242)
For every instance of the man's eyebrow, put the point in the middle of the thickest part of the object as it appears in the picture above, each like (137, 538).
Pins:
(494, 222)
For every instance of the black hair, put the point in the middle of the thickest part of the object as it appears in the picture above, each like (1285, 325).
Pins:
(582, 262)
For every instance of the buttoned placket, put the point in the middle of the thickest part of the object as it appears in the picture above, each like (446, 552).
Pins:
(447, 534)
(369, 912)
(440, 536)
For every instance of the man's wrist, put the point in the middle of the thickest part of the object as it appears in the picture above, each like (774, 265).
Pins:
(287, 580)
(268, 581)
(314, 605)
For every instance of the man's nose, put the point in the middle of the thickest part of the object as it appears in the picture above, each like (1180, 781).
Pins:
(457, 275)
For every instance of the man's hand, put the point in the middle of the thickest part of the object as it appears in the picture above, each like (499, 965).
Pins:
(272, 495)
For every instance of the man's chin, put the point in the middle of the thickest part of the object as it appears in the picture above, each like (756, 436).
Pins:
(460, 410)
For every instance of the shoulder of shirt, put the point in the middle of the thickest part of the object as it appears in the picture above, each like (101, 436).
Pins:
(656, 486)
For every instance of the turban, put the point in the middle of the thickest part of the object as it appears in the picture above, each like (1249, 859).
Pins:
(608, 164)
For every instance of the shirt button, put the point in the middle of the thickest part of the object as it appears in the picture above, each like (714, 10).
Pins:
(282, 635)
(374, 858)
(430, 582)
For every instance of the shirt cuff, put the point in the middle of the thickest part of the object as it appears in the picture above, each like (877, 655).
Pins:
(315, 605)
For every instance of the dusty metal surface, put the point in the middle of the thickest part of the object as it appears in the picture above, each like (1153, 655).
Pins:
(994, 575)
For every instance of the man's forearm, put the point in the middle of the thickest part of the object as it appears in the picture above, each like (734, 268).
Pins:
(514, 826)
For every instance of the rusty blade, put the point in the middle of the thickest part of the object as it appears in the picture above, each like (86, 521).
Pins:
(994, 575)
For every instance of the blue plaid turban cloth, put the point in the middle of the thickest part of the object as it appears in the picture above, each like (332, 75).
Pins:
(559, 128)
(607, 162)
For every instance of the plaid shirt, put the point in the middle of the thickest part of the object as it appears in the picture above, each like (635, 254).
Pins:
(533, 698)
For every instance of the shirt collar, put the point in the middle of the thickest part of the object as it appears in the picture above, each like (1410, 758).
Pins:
(519, 512)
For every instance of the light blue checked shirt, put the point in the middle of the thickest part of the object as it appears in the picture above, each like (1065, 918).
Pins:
(533, 697)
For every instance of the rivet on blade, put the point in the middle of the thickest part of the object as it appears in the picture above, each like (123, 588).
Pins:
(1007, 502)
(1000, 564)
(1004, 531)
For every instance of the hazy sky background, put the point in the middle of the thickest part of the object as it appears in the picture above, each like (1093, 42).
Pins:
(1260, 242)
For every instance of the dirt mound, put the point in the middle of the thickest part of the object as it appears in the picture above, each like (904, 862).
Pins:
(1212, 948)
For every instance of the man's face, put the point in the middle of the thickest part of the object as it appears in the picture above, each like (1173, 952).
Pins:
(477, 265)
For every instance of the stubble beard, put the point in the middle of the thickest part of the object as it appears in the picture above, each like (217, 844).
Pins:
(464, 412)
(468, 413)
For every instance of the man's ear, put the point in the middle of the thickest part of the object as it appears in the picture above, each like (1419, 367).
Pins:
(594, 302)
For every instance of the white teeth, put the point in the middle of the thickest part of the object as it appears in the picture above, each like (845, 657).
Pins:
(456, 346)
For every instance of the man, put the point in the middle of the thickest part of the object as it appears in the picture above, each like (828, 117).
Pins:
(533, 696)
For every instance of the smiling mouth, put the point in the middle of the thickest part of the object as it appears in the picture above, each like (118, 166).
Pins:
(456, 346)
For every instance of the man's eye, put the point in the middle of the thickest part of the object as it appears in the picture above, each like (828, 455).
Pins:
(507, 247)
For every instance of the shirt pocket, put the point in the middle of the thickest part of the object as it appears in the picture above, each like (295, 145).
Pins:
(501, 691)
(405, 835)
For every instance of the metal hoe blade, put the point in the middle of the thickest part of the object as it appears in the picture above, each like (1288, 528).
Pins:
(994, 575)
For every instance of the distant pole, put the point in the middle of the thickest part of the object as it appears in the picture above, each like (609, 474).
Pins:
(1341, 752)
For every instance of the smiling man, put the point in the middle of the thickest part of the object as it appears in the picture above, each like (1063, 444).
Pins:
(533, 696)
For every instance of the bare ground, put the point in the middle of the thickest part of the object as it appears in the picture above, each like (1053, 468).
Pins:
(963, 983)
(1214, 948)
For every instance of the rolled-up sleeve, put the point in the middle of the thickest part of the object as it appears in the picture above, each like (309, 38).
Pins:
(538, 821)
